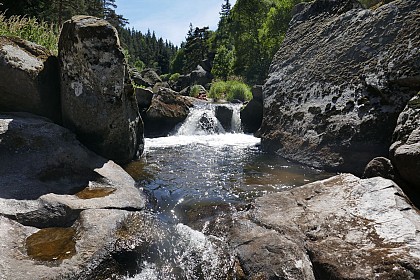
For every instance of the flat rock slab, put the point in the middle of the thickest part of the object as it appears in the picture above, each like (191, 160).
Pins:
(340, 228)
(48, 177)
(96, 233)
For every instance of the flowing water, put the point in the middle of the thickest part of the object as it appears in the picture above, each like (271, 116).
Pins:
(202, 169)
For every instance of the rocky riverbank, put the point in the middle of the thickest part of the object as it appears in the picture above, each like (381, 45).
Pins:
(343, 89)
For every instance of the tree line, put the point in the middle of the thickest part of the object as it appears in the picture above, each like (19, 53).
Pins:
(247, 37)
(144, 50)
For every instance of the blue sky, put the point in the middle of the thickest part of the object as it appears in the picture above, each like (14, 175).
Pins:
(170, 19)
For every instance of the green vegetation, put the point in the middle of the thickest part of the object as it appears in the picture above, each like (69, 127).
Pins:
(195, 91)
(58, 11)
(244, 44)
(30, 29)
(147, 51)
(230, 90)
(174, 77)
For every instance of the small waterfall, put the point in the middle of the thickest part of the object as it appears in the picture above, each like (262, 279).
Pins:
(202, 120)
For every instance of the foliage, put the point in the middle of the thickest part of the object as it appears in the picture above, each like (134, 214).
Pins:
(195, 91)
(196, 47)
(174, 77)
(223, 63)
(57, 11)
(230, 90)
(217, 90)
(30, 29)
(147, 51)
(165, 77)
(239, 91)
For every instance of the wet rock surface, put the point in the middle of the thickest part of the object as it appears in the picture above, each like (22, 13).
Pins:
(167, 110)
(340, 228)
(29, 79)
(224, 115)
(339, 82)
(98, 100)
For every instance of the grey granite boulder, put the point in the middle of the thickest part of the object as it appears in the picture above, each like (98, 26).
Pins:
(47, 177)
(98, 100)
(379, 166)
(339, 228)
(224, 115)
(405, 150)
(339, 81)
(61, 206)
(144, 98)
(167, 109)
(29, 80)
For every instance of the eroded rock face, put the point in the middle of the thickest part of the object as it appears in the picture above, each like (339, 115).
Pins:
(167, 110)
(340, 228)
(30, 80)
(339, 81)
(405, 150)
(98, 100)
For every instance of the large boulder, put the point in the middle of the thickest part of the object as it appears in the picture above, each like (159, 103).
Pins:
(224, 115)
(167, 110)
(98, 100)
(405, 150)
(339, 228)
(44, 167)
(199, 76)
(30, 80)
(150, 78)
(144, 98)
(251, 116)
(339, 82)
(61, 205)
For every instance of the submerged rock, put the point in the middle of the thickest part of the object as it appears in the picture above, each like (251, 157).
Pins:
(30, 80)
(98, 100)
(340, 228)
(339, 81)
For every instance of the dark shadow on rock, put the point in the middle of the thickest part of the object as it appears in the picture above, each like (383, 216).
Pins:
(39, 157)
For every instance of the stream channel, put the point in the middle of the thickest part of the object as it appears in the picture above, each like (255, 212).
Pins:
(196, 173)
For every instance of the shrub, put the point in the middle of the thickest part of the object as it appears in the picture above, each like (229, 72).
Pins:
(174, 77)
(165, 77)
(195, 91)
(230, 91)
(217, 90)
(238, 90)
(30, 29)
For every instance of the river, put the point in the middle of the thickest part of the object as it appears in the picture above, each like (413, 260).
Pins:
(201, 167)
